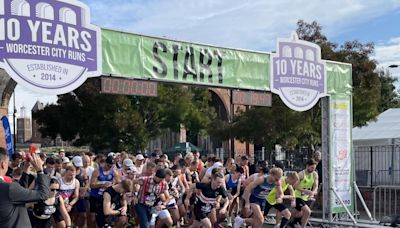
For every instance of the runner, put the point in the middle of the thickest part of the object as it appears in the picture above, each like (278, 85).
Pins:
(115, 205)
(58, 165)
(42, 212)
(244, 161)
(149, 169)
(79, 215)
(286, 182)
(69, 192)
(139, 163)
(207, 196)
(229, 165)
(200, 164)
(102, 178)
(305, 192)
(50, 169)
(193, 174)
(215, 163)
(88, 170)
(176, 190)
(255, 197)
(233, 183)
(127, 167)
(153, 190)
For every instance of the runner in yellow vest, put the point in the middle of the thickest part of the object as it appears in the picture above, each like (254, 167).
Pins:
(306, 189)
(286, 182)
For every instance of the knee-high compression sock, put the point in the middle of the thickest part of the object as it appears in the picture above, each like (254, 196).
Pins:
(284, 221)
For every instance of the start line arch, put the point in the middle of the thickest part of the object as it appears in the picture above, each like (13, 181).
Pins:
(56, 57)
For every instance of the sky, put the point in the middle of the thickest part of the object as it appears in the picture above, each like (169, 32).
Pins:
(247, 24)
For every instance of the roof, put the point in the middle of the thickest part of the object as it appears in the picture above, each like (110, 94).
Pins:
(387, 126)
(38, 106)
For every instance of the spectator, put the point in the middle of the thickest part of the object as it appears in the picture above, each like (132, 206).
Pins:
(13, 212)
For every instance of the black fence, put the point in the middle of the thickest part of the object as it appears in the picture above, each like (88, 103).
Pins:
(377, 165)
(293, 160)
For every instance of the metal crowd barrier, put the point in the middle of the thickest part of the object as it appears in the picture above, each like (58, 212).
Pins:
(386, 201)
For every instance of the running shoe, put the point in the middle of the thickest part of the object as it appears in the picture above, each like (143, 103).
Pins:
(238, 222)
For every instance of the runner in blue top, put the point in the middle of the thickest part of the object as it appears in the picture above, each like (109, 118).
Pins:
(102, 178)
(255, 197)
(233, 183)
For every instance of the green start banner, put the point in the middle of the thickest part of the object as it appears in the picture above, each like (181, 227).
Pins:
(137, 56)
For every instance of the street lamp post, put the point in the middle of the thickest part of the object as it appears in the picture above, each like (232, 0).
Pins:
(14, 125)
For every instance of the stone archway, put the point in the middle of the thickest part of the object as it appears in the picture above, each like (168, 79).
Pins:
(7, 86)
(221, 100)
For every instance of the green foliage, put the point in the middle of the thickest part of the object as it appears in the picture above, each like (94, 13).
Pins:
(373, 92)
(115, 122)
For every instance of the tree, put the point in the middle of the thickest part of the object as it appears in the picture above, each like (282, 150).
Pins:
(373, 92)
(116, 122)
(389, 97)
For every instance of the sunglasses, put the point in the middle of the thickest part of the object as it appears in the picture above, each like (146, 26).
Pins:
(54, 189)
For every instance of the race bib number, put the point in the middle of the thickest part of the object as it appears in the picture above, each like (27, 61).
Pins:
(206, 208)
(150, 200)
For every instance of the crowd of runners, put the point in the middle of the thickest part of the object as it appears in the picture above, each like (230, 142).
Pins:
(124, 190)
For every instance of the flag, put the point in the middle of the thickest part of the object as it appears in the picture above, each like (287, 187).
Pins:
(7, 133)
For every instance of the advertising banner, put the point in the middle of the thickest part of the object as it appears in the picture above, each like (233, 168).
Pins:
(49, 46)
(341, 154)
(7, 133)
(137, 56)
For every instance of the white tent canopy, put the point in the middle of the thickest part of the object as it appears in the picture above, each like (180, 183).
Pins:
(384, 131)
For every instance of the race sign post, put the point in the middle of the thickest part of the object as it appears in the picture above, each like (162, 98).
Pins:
(300, 77)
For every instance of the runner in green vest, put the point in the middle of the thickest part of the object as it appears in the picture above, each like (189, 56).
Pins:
(306, 189)
(286, 182)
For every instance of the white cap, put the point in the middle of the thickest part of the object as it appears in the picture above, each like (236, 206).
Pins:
(217, 165)
(128, 163)
(77, 161)
(111, 154)
(65, 160)
(139, 157)
(133, 169)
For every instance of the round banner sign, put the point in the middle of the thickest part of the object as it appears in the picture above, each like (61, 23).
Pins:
(49, 46)
(298, 73)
